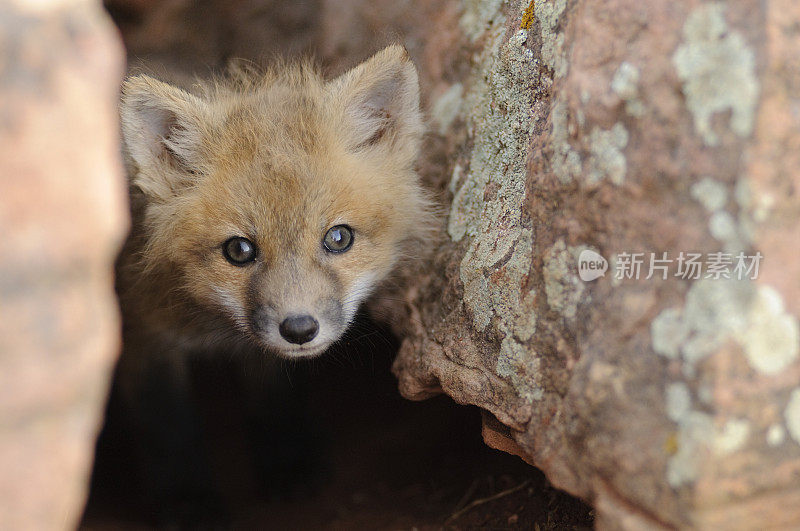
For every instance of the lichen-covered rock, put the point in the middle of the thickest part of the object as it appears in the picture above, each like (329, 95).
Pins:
(625, 127)
(62, 215)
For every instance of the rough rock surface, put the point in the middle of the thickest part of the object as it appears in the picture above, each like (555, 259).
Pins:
(625, 127)
(612, 126)
(62, 215)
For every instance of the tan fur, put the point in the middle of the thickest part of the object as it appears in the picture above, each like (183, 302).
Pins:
(278, 158)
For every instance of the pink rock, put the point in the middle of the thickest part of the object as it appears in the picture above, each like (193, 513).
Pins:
(63, 213)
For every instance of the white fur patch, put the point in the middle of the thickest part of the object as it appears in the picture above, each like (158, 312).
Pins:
(361, 289)
(225, 299)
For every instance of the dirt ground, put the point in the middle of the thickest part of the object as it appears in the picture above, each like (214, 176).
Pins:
(362, 458)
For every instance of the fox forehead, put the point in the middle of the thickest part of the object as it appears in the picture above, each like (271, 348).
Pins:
(276, 160)
(273, 123)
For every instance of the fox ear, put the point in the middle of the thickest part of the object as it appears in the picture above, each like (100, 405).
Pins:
(380, 99)
(161, 124)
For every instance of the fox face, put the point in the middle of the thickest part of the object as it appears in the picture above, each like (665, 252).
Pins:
(278, 202)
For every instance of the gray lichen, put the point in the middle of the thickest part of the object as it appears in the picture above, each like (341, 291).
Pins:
(771, 339)
(735, 233)
(717, 69)
(566, 162)
(698, 436)
(668, 332)
(695, 432)
(563, 287)
(521, 367)
(758, 206)
(731, 437)
(606, 160)
(498, 110)
(712, 194)
(625, 81)
(776, 435)
(548, 13)
(724, 228)
(625, 84)
(447, 107)
(504, 295)
(678, 401)
(714, 309)
(477, 15)
(719, 310)
(486, 105)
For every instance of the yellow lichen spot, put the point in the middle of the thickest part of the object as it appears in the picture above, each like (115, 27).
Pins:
(527, 16)
(671, 444)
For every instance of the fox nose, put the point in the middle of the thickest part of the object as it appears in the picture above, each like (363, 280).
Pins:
(299, 329)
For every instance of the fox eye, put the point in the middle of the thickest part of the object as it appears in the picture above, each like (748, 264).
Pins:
(338, 239)
(239, 251)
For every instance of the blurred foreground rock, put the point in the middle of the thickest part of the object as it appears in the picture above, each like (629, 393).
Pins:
(62, 215)
(616, 127)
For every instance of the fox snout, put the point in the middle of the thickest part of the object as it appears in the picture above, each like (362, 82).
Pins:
(298, 333)
(299, 329)
(298, 311)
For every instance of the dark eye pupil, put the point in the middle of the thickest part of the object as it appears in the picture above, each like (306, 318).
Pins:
(239, 251)
(338, 239)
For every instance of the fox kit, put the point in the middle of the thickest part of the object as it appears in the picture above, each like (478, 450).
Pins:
(266, 209)
(269, 208)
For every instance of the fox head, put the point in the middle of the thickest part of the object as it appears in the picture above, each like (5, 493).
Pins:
(279, 201)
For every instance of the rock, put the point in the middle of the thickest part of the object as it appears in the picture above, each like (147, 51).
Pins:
(63, 213)
(624, 127)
